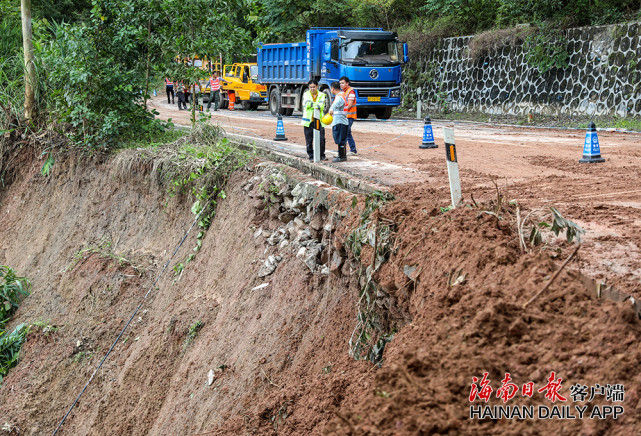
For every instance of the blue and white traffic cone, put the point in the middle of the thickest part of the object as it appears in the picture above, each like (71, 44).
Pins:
(428, 135)
(591, 149)
(280, 130)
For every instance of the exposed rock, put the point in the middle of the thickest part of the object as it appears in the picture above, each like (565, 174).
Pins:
(269, 266)
(336, 263)
(325, 270)
(286, 216)
(311, 262)
(316, 222)
(278, 236)
(410, 271)
(301, 252)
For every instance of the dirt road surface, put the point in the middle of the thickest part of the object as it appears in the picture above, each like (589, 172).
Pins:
(537, 167)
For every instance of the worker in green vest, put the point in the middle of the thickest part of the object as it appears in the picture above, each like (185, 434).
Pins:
(313, 99)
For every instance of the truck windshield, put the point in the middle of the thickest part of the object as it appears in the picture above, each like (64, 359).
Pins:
(370, 52)
(253, 72)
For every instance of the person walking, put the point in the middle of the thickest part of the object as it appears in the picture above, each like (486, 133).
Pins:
(312, 99)
(169, 88)
(350, 111)
(340, 123)
(214, 91)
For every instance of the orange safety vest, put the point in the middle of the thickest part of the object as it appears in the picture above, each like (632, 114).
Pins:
(168, 82)
(350, 113)
(214, 84)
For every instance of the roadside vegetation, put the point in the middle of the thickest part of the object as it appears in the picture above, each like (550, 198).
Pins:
(97, 62)
(12, 289)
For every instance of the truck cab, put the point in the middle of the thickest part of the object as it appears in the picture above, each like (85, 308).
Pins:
(371, 59)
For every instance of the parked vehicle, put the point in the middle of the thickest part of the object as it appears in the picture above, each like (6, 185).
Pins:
(370, 57)
(239, 79)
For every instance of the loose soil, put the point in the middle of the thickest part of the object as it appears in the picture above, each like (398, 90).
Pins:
(279, 355)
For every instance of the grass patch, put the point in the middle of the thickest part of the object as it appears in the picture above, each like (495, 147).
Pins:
(103, 249)
(192, 333)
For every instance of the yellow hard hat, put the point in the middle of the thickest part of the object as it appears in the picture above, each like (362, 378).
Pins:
(327, 119)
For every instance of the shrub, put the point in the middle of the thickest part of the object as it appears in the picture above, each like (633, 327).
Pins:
(12, 289)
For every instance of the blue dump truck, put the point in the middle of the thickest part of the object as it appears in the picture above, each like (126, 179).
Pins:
(371, 58)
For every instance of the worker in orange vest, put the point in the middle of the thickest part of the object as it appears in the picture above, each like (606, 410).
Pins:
(169, 87)
(214, 91)
(350, 111)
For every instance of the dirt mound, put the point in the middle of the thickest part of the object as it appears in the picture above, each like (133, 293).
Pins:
(253, 337)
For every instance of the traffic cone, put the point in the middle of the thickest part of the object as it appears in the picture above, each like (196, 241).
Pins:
(280, 130)
(232, 100)
(155, 93)
(428, 135)
(591, 149)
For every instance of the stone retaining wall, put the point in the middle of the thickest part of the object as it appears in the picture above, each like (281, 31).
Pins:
(603, 77)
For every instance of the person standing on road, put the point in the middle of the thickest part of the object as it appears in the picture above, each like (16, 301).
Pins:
(350, 111)
(340, 123)
(214, 91)
(180, 94)
(187, 92)
(169, 87)
(312, 99)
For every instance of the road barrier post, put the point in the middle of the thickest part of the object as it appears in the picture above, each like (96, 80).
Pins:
(419, 104)
(316, 135)
(452, 166)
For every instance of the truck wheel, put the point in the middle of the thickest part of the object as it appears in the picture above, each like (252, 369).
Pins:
(254, 106)
(384, 113)
(246, 105)
(329, 97)
(274, 103)
(362, 113)
(223, 103)
(289, 111)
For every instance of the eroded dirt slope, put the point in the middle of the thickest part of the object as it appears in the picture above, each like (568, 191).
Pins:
(274, 359)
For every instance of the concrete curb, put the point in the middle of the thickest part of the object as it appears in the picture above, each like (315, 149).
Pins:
(288, 154)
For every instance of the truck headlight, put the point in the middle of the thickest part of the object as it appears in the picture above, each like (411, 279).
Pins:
(395, 93)
(254, 94)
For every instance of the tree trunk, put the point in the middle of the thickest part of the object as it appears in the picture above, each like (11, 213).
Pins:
(29, 68)
(148, 59)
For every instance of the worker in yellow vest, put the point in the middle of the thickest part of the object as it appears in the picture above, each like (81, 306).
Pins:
(312, 99)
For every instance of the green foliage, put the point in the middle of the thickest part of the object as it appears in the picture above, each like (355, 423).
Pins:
(572, 230)
(201, 169)
(194, 328)
(546, 49)
(12, 289)
(372, 331)
(10, 345)
(61, 10)
(97, 83)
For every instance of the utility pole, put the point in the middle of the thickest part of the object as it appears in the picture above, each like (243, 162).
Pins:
(29, 68)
